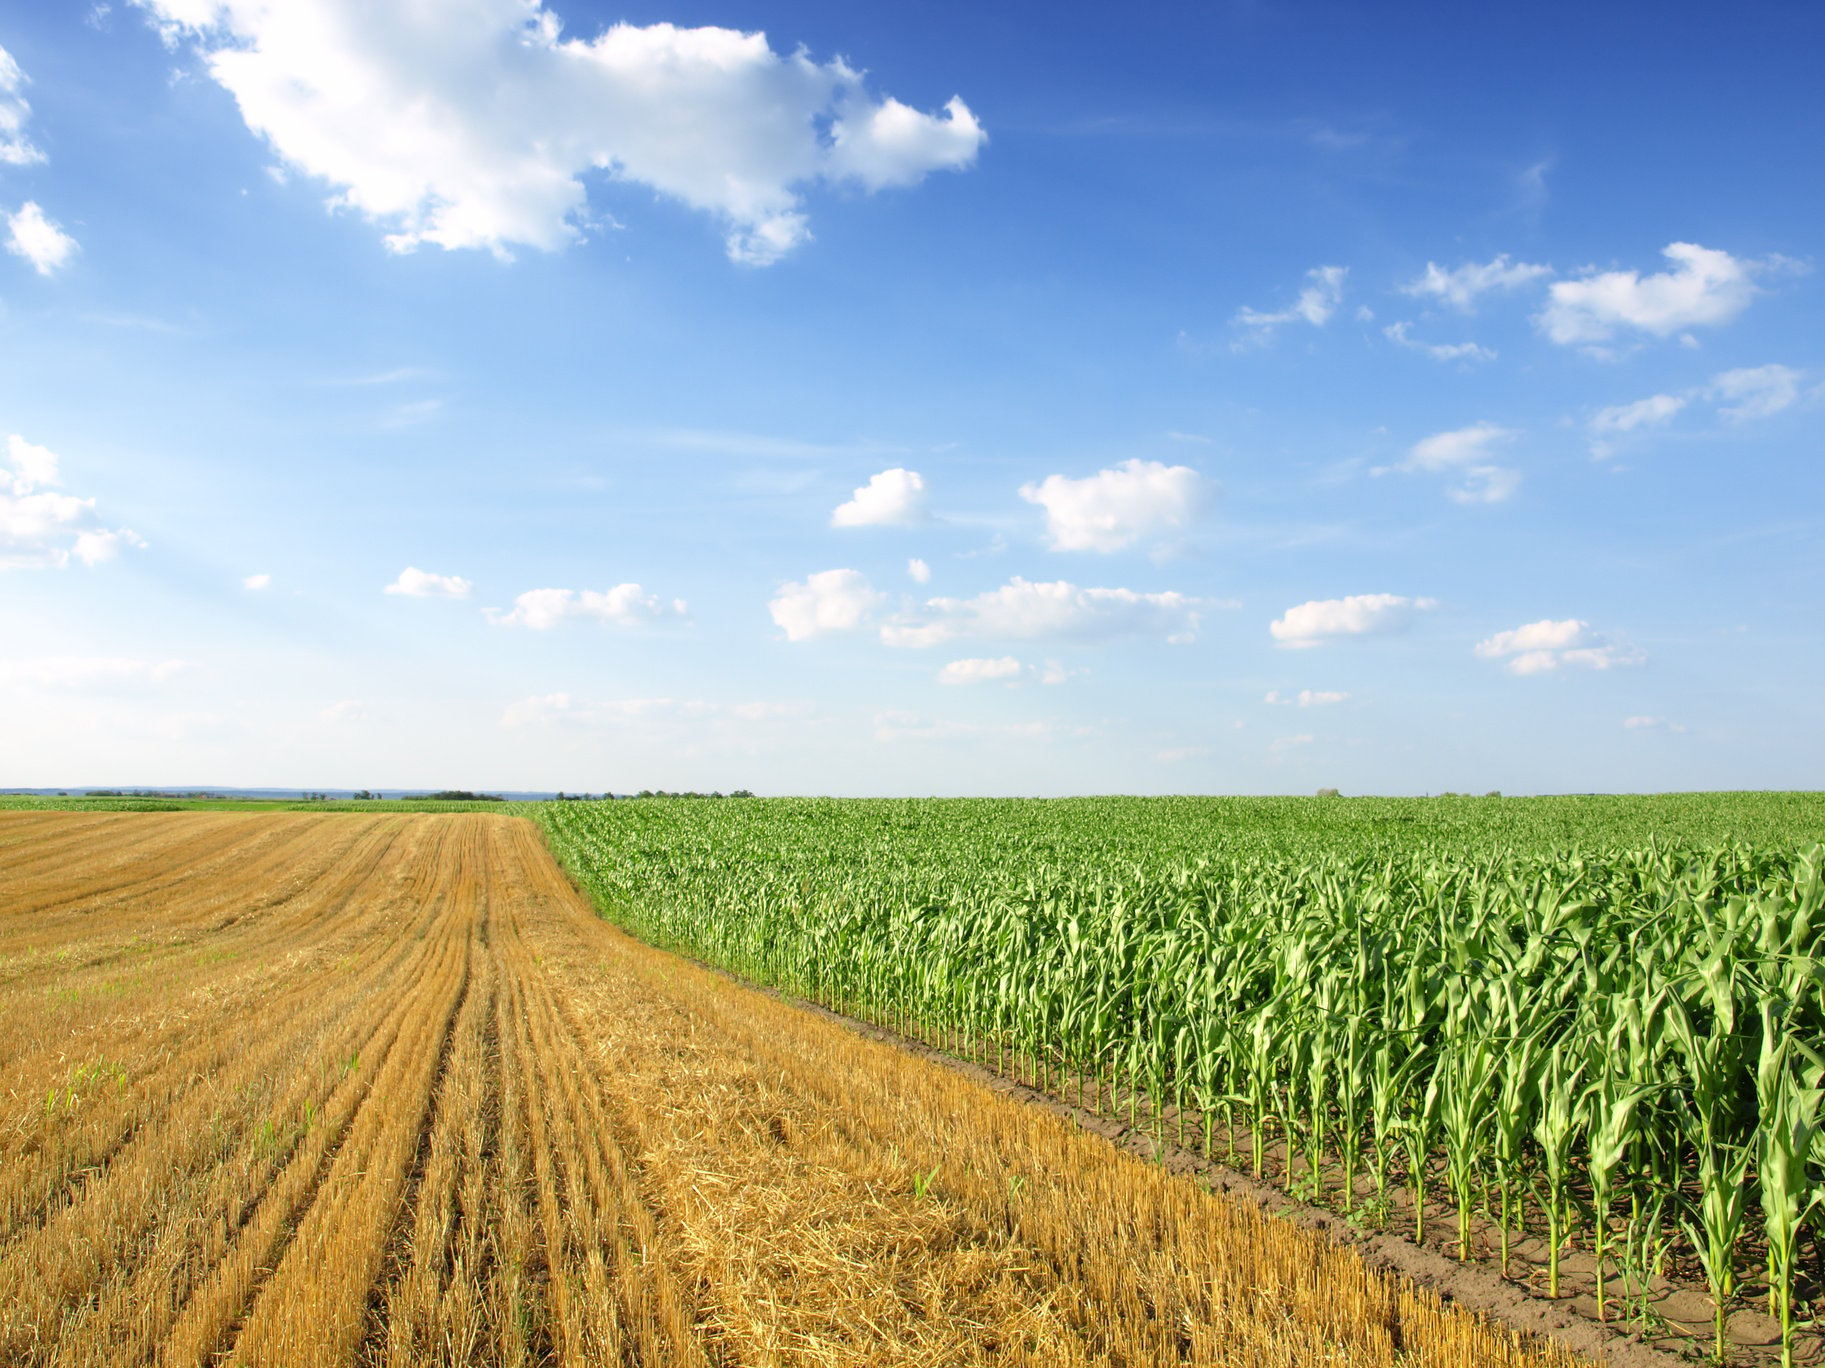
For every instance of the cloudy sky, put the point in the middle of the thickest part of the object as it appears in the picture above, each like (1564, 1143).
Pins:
(971, 399)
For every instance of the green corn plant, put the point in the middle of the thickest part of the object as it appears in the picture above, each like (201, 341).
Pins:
(1556, 1085)
(1789, 1132)
(1612, 1105)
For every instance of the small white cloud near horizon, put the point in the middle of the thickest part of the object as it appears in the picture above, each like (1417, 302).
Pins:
(827, 603)
(15, 148)
(257, 582)
(1543, 646)
(1356, 615)
(1465, 452)
(33, 236)
(1460, 286)
(918, 571)
(346, 711)
(981, 671)
(893, 498)
(1704, 288)
(625, 605)
(1117, 507)
(1307, 698)
(494, 120)
(1316, 304)
(1398, 334)
(35, 520)
(416, 583)
(1024, 610)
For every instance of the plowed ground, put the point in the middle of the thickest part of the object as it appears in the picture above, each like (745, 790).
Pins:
(298, 1089)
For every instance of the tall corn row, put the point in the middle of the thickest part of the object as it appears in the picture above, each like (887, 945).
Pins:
(1607, 1045)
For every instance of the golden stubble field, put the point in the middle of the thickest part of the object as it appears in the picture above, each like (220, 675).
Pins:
(341, 1089)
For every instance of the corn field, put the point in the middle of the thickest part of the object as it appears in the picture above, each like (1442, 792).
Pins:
(1621, 1040)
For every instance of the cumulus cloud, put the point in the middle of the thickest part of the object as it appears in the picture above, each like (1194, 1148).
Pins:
(1319, 299)
(1466, 454)
(1307, 698)
(1705, 287)
(476, 125)
(626, 605)
(1399, 334)
(1022, 609)
(1539, 647)
(894, 498)
(1757, 391)
(1740, 395)
(1460, 286)
(828, 602)
(33, 236)
(918, 571)
(1116, 508)
(1356, 615)
(15, 148)
(42, 528)
(416, 583)
(1649, 412)
(980, 671)
(257, 582)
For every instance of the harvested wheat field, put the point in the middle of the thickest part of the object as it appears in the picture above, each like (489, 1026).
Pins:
(327, 1089)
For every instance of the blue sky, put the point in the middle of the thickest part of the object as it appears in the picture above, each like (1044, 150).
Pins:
(977, 399)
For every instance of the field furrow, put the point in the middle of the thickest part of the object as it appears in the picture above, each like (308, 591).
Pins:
(384, 1090)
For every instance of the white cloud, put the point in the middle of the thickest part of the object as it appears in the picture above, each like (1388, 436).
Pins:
(1649, 412)
(894, 498)
(626, 605)
(1321, 620)
(1023, 609)
(257, 582)
(33, 236)
(1438, 351)
(1759, 391)
(919, 571)
(88, 673)
(827, 602)
(1460, 286)
(1315, 305)
(1172, 755)
(1651, 724)
(475, 125)
(980, 671)
(1115, 508)
(1753, 392)
(15, 148)
(41, 528)
(346, 711)
(416, 583)
(1539, 647)
(1704, 287)
(1286, 743)
(1307, 698)
(1465, 452)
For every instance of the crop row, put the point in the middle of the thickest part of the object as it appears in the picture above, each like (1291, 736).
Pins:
(1628, 1038)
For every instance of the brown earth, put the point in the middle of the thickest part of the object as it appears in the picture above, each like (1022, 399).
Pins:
(326, 1089)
